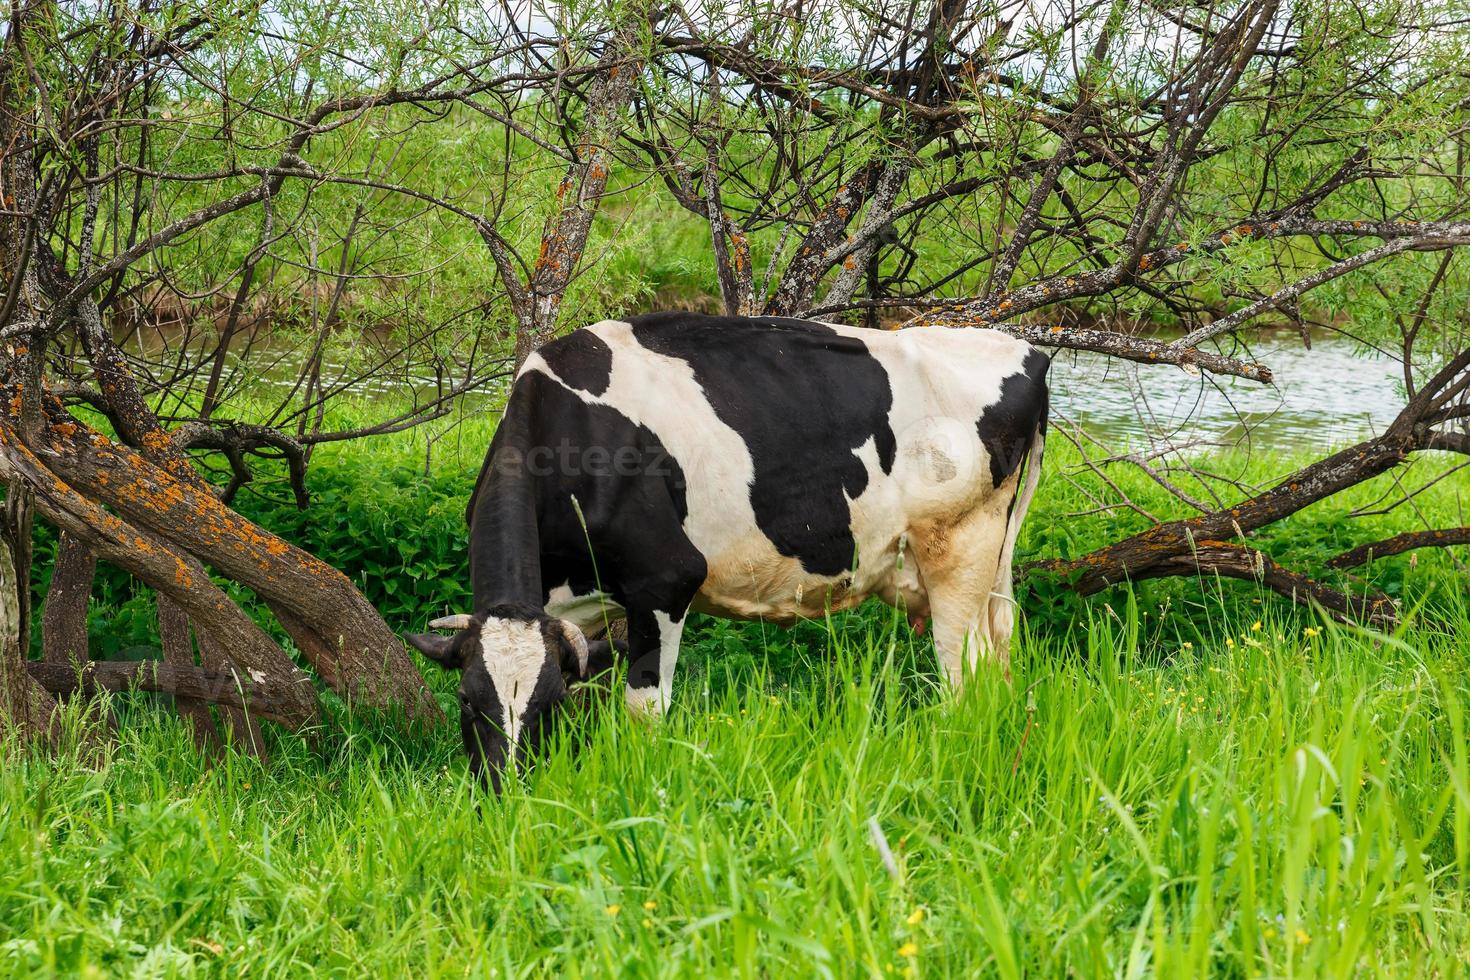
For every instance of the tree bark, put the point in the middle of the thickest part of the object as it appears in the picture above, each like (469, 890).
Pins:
(24, 707)
(361, 658)
(64, 618)
(201, 684)
(243, 725)
(178, 651)
(1400, 543)
(1230, 560)
(578, 196)
(151, 558)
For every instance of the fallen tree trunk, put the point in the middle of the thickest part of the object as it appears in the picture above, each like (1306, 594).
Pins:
(1400, 543)
(358, 656)
(153, 560)
(1236, 561)
(1141, 555)
(1200, 544)
(199, 684)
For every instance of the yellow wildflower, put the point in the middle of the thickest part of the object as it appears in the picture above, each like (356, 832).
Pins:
(916, 916)
(614, 909)
(1256, 626)
(1302, 938)
(649, 906)
(908, 949)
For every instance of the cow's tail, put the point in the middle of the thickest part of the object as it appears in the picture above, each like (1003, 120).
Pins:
(1002, 601)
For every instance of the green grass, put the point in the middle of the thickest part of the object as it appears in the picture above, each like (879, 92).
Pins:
(1181, 780)
(1292, 806)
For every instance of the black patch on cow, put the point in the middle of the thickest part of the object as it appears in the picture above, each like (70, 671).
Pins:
(804, 398)
(1007, 427)
(553, 447)
(582, 360)
(623, 535)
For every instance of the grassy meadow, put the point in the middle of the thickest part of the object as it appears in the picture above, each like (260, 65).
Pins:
(1184, 779)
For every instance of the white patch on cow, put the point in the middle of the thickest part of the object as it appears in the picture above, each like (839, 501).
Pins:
(514, 653)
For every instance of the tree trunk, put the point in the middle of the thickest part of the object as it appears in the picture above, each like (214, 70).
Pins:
(24, 707)
(151, 558)
(64, 618)
(243, 725)
(360, 658)
(178, 651)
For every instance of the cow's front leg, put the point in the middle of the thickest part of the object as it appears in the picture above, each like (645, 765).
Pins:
(653, 652)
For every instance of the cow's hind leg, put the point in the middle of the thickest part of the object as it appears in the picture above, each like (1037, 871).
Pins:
(960, 574)
(959, 604)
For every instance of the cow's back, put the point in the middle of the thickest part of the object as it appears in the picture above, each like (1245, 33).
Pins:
(810, 450)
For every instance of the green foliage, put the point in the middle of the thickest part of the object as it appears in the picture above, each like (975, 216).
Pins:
(400, 536)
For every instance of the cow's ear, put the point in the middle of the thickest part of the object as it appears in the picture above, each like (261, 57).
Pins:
(573, 647)
(446, 651)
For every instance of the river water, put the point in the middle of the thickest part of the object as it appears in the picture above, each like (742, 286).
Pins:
(1328, 396)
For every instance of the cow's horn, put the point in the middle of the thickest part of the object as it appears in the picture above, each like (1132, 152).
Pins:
(578, 643)
(459, 621)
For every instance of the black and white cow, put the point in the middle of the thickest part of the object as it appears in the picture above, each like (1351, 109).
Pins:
(759, 468)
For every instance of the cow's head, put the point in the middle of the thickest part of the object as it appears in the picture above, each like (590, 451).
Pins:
(514, 670)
